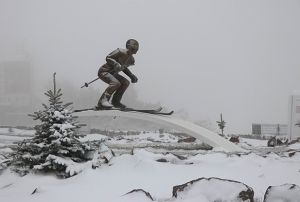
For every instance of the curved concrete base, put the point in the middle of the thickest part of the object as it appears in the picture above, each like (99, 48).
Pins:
(194, 130)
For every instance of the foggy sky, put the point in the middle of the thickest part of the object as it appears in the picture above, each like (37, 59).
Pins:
(239, 58)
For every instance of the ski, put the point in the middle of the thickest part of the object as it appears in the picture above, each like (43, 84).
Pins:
(142, 110)
(125, 109)
(148, 111)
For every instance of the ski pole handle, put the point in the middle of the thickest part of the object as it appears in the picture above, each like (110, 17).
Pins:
(87, 84)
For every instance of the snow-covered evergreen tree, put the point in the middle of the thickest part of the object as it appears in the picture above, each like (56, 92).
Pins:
(55, 146)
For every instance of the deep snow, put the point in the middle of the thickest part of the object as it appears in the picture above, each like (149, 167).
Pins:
(141, 170)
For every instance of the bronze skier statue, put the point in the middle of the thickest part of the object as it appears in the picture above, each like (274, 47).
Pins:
(117, 61)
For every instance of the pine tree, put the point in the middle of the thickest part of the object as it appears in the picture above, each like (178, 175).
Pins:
(55, 146)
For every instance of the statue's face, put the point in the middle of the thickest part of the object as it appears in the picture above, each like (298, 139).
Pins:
(134, 48)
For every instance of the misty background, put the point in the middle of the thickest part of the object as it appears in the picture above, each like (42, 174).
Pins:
(199, 58)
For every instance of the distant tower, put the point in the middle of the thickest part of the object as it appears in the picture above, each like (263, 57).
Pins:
(294, 116)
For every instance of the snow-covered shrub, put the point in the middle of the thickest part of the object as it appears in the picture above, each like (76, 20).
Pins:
(4, 162)
(102, 155)
(55, 146)
(277, 141)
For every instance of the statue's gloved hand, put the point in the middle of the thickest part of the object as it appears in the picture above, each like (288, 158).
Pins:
(133, 78)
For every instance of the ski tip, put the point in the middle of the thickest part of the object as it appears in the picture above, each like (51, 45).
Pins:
(77, 110)
(163, 113)
(170, 113)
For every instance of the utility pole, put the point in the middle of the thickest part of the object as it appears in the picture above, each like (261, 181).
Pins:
(221, 124)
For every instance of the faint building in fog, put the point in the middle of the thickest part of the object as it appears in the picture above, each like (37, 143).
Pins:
(15, 91)
(294, 116)
(15, 83)
(269, 129)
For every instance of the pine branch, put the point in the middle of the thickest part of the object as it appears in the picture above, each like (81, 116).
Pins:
(59, 91)
(67, 104)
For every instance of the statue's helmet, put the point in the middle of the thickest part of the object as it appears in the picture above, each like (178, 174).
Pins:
(132, 45)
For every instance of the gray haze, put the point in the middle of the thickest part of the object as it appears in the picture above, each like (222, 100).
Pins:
(239, 58)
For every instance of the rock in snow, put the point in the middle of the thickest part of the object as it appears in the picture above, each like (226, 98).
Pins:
(140, 191)
(201, 189)
(214, 189)
(283, 193)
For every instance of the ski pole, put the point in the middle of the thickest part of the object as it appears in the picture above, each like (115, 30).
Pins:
(87, 84)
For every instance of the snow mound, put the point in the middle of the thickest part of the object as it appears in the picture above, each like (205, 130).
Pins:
(71, 167)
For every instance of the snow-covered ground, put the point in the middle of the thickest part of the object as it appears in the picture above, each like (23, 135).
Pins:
(16, 132)
(9, 136)
(145, 137)
(157, 171)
